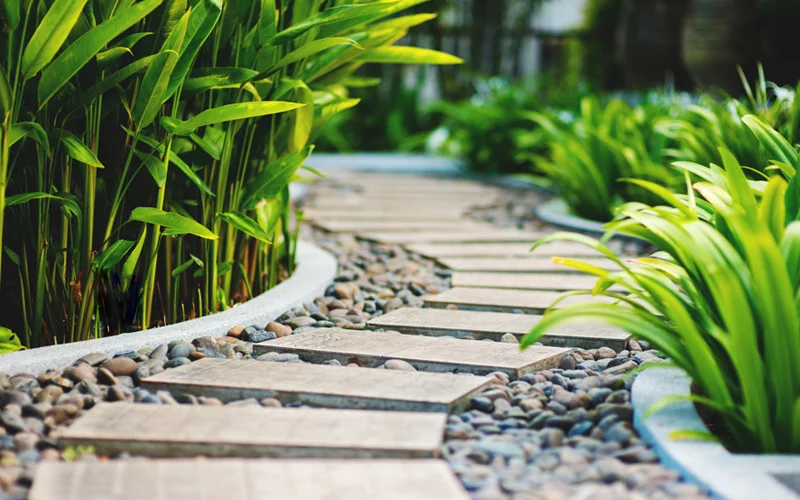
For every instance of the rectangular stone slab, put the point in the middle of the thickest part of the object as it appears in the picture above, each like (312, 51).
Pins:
(525, 281)
(488, 299)
(358, 213)
(519, 264)
(399, 227)
(247, 431)
(397, 204)
(237, 479)
(320, 385)
(439, 250)
(497, 235)
(440, 354)
(493, 325)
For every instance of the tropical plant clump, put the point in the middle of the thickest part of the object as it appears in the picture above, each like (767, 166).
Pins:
(720, 297)
(146, 147)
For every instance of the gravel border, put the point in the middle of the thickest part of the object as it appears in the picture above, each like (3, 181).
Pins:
(709, 464)
(315, 271)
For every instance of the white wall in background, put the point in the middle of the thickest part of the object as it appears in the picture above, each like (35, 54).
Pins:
(560, 15)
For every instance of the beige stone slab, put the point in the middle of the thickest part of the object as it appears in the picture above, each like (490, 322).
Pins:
(440, 354)
(493, 325)
(439, 250)
(395, 204)
(519, 264)
(400, 227)
(488, 299)
(237, 479)
(495, 235)
(358, 213)
(320, 385)
(247, 431)
(525, 281)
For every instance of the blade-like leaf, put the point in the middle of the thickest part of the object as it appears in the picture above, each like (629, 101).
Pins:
(273, 178)
(50, 35)
(175, 223)
(229, 112)
(109, 257)
(408, 55)
(71, 60)
(203, 18)
(33, 130)
(245, 224)
(114, 79)
(75, 148)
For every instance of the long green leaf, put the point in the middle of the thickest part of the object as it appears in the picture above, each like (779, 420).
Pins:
(115, 79)
(112, 255)
(33, 130)
(245, 224)
(50, 35)
(408, 55)
(203, 18)
(175, 223)
(271, 181)
(5, 93)
(228, 112)
(310, 49)
(153, 91)
(75, 148)
(69, 62)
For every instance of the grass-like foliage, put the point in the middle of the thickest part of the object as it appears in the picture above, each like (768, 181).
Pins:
(720, 298)
(146, 147)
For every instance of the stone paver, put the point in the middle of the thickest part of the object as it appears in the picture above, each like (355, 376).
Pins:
(520, 264)
(494, 325)
(439, 250)
(400, 226)
(357, 214)
(440, 354)
(483, 236)
(255, 431)
(236, 479)
(525, 281)
(488, 299)
(320, 385)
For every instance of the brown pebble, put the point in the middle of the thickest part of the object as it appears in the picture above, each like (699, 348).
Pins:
(605, 353)
(120, 366)
(195, 355)
(278, 329)
(104, 376)
(236, 331)
(84, 371)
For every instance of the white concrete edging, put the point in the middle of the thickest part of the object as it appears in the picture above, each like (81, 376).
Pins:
(718, 471)
(315, 271)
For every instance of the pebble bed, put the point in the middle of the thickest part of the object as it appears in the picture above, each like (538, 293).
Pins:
(561, 433)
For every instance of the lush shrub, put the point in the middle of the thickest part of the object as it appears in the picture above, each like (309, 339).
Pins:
(148, 146)
(720, 296)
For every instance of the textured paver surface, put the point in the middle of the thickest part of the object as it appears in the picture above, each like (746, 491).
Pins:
(494, 325)
(438, 250)
(254, 431)
(523, 281)
(502, 235)
(430, 353)
(518, 264)
(320, 385)
(236, 479)
(487, 299)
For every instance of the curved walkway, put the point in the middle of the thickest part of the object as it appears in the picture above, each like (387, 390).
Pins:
(390, 422)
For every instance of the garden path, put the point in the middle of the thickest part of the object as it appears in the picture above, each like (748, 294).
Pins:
(388, 423)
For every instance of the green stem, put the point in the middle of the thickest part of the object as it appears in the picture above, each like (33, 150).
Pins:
(4, 151)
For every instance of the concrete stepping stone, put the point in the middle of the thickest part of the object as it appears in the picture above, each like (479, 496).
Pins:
(255, 431)
(482, 236)
(493, 325)
(525, 281)
(397, 204)
(489, 299)
(439, 354)
(320, 385)
(359, 214)
(237, 479)
(519, 264)
(400, 227)
(439, 250)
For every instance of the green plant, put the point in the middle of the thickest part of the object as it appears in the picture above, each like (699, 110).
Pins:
(720, 296)
(589, 152)
(146, 149)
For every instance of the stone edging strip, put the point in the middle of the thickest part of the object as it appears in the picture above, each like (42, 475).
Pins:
(709, 464)
(315, 271)
(555, 212)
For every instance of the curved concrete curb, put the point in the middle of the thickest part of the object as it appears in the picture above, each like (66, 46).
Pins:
(315, 271)
(723, 474)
